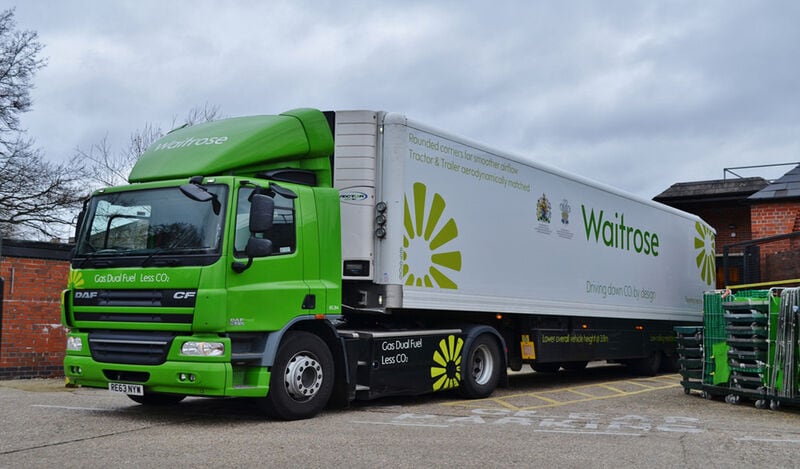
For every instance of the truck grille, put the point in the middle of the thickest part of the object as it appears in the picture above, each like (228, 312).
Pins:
(135, 317)
(142, 298)
(100, 305)
(133, 348)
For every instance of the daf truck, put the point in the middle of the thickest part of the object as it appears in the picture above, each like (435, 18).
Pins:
(313, 258)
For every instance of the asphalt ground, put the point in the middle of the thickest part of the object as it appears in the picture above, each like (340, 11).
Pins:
(601, 417)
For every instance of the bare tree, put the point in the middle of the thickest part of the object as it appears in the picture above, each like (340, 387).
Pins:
(105, 167)
(36, 196)
(198, 115)
(19, 62)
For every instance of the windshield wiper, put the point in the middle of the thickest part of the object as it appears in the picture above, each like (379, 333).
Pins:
(171, 261)
(150, 257)
(95, 254)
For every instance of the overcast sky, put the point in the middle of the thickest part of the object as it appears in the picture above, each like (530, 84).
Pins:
(635, 94)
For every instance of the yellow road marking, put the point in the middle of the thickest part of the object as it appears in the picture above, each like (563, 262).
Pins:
(575, 391)
(612, 388)
(584, 391)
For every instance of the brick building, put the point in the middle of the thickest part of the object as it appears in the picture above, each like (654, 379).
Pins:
(748, 214)
(724, 205)
(31, 335)
(775, 213)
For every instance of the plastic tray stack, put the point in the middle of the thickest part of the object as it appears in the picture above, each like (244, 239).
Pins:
(690, 356)
(747, 323)
(750, 347)
(784, 352)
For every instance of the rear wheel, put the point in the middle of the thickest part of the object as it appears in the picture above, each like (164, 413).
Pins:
(302, 377)
(481, 368)
(669, 363)
(647, 366)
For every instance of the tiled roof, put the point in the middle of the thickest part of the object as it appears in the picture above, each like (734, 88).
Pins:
(727, 188)
(785, 187)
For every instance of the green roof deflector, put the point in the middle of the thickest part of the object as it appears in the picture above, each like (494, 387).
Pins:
(240, 145)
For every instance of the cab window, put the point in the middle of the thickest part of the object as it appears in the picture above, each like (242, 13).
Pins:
(283, 231)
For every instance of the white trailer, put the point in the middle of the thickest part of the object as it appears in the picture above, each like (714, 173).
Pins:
(469, 228)
(567, 270)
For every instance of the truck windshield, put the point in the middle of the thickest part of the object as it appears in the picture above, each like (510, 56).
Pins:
(152, 222)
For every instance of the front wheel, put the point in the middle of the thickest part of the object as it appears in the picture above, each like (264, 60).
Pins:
(302, 377)
(481, 368)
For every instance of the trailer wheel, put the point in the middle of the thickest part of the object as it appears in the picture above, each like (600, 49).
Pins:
(157, 400)
(302, 377)
(647, 366)
(481, 368)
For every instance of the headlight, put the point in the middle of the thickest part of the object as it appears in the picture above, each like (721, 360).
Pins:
(203, 349)
(74, 343)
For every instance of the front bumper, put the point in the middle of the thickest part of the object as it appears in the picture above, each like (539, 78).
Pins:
(173, 377)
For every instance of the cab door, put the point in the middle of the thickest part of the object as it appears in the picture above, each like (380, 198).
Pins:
(272, 290)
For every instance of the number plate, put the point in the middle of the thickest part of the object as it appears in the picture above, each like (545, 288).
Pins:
(125, 388)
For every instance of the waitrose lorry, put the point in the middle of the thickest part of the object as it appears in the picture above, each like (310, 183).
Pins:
(311, 257)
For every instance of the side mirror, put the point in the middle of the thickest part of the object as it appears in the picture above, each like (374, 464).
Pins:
(194, 191)
(81, 217)
(257, 247)
(262, 209)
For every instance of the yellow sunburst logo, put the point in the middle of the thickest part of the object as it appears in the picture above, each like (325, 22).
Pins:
(706, 252)
(446, 370)
(426, 256)
(75, 279)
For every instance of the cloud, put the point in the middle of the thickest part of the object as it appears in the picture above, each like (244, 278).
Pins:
(636, 95)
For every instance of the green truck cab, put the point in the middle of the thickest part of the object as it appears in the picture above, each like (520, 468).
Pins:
(184, 278)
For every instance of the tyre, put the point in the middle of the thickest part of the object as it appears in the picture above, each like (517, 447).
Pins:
(302, 378)
(157, 400)
(669, 363)
(481, 368)
(647, 366)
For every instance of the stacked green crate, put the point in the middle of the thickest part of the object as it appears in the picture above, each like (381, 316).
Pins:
(690, 356)
(747, 328)
(774, 316)
(783, 351)
(715, 364)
